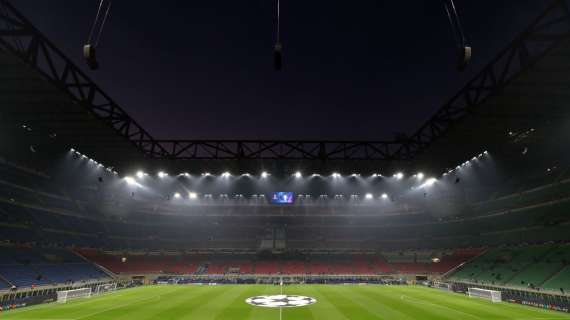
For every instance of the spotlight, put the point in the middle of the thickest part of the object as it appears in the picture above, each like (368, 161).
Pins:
(186, 174)
(429, 182)
(72, 150)
(298, 175)
(420, 176)
(368, 196)
(399, 175)
(192, 195)
(140, 174)
(336, 175)
(245, 175)
(354, 175)
(374, 175)
(315, 175)
(177, 195)
(384, 196)
(226, 174)
(162, 174)
(206, 174)
(264, 175)
(485, 152)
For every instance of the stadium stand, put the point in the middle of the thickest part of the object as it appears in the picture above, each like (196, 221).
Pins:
(27, 267)
(537, 266)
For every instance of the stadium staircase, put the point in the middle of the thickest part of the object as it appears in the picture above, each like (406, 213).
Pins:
(5, 283)
(102, 268)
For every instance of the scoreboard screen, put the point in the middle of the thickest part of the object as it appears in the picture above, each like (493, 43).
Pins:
(282, 197)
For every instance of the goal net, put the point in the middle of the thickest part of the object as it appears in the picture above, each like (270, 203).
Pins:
(443, 285)
(492, 295)
(104, 288)
(63, 296)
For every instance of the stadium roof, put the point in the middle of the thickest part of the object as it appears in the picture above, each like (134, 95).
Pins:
(523, 88)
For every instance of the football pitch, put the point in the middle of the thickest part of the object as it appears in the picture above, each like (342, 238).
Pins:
(325, 302)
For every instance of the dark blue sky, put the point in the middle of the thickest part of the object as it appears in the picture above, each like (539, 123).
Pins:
(352, 69)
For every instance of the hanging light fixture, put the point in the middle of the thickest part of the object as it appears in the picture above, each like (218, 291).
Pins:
(278, 48)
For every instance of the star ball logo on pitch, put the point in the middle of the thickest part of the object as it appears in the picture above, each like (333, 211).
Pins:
(280, 301)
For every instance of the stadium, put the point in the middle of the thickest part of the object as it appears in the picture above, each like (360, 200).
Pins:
(466, 217)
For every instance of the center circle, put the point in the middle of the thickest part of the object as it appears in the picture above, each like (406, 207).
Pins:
(280, 301)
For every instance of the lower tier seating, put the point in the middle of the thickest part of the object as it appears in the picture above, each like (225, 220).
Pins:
(537, 266)
(28, 267)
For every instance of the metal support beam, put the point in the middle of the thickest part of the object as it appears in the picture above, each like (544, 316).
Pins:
(20, 38)
(547, 32)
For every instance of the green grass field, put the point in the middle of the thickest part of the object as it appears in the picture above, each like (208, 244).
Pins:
(333, 302)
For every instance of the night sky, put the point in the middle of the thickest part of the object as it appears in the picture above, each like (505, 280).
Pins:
(352, 69)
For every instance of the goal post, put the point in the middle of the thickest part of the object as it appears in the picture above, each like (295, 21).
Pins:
(443, 285)
(493, 295)
(64, 295)
(104, 288)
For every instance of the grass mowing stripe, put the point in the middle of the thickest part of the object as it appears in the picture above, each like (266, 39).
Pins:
(73, 308)
(338, 302)
(213, 307)
(347, 308)
(155, 310)
(412, 309)
(457, 303)
(480, 306)
(186, 306)
(323, 309)
(237, 308)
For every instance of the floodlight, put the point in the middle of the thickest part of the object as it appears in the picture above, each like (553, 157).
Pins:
(429, 182)
(131, 181)
(336, 175)
(298, 174)
(368, 196)
(140, 174)
(226, 174)
(399, 175)
(192, 195)
(206, 174)
(162, 174)
(264, 174)
(177, 195)
(420, 176)
(384, 196)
